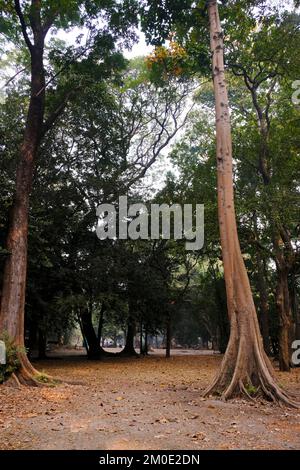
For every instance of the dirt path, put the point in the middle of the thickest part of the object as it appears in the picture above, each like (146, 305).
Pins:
(150, 403)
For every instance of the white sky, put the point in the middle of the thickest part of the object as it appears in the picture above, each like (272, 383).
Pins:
(139, 49)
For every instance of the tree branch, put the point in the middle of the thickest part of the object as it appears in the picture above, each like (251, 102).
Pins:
(23, 25)
(52, 118)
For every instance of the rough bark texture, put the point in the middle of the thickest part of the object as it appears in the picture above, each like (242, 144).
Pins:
(245, 368)
(14, 275)
(14, 278)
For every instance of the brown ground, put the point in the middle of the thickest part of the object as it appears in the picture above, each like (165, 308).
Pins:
(150, 403)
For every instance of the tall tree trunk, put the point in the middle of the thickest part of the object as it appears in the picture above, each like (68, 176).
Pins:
(263, 304)
(15, 270)
(263, 291)
(146, 342)
(89, 334)
(14, 277)
(102, 351)
(42, 344)
(295, 307)
(129, 349)
(85, 343)
(222, 315)
(283, 308)
(101, 321)
(283, 257)
(168, 337)
(32, 340)
(141, 338)
(245, 366)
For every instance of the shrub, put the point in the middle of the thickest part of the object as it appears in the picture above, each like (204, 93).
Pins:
(12, 358)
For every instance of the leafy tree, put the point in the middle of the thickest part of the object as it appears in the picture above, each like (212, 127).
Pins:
(30, 22)
(245, 362)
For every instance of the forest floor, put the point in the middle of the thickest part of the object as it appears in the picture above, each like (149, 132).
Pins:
(145, 403)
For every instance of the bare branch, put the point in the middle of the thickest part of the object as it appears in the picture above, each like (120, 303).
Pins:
(11, 79)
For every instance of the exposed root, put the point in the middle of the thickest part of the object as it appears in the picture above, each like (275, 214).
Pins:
(262, 385)
(29, 376)
(108, 353)
(127, 353)
(13, 381)
(244, 390)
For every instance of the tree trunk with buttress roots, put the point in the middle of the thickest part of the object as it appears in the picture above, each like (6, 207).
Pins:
(14, 278)
(15, 269)
(91, 339)
(129, 349)
(245, 367)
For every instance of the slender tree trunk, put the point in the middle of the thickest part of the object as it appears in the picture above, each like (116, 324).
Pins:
(282, 259)
(82, 332)
(32, 341)
(168, 337)
(222, 315)
(129, 349)
(295, 307)
(42, 344)
(285, 325)
(263, 291)
(245, 367)
(101, 321)
(89, 334)
(141, 338)
(263, 305)
(146, 342)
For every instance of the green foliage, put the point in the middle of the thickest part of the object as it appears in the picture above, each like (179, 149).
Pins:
(43, 378)
(12, 358)
(251, 390)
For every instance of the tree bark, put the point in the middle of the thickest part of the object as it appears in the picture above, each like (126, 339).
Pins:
(101, 322)
(15, 269)
(93, 344)
(168, 337)
(129, 350)
(14, 277)
(263, 304)
(141, 338)
(284, 309)
(42, 344)
(295, 307)
(245, 368)
(145, 351)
